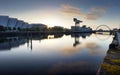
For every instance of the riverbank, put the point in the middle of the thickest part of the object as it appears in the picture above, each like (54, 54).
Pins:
(111, 63)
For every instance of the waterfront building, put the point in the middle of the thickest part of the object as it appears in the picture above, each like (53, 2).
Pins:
(80, 29)
(25, 25)
(77, 27)
(12, 23)
(29, 26)
(19, 24)
(4, 21)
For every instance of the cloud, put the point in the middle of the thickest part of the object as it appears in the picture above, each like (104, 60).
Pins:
(96, 13)
(93, 14)
(68, 9)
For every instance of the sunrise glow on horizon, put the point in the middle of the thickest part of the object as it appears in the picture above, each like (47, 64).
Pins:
(61, 13)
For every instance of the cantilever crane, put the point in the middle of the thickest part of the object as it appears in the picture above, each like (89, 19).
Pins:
(77, 22)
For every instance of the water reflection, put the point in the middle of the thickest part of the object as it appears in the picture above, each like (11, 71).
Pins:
(106, 36)
(71, 68)
(6, 43)
(75, 54)
(111, 62)
(77, 36)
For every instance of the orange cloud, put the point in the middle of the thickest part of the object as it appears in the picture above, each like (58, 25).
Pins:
(68, 9)
(94, 13)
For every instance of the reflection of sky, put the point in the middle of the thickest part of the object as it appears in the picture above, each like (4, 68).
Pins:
(49, 11)
(49, 54)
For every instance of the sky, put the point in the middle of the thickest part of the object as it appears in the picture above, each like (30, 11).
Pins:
(61, 12)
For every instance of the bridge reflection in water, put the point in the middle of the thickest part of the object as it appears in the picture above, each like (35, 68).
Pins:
(6, 43)
(75, 54)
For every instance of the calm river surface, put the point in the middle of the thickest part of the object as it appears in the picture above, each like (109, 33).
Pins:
(76, 54)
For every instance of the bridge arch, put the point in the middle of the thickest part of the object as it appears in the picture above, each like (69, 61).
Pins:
(104, 26)
(98, 35)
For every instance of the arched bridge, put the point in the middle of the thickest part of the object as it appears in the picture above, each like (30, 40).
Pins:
(101, 30)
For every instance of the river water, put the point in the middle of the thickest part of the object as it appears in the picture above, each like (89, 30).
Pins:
(76, 54)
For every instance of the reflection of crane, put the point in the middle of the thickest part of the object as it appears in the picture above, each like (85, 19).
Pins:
(77, 22)
(76, 41)
(77, 36)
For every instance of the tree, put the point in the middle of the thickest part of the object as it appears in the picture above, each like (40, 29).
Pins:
(57, 28)
(67, 30)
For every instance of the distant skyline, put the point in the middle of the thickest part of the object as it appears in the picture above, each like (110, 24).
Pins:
(62, 12)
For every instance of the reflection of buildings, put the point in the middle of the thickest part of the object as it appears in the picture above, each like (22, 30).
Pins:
(30, 38)
(6, 43)
(11, 42)
(55, 36)
(77, 36)
(83, 35)
(58, 35)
